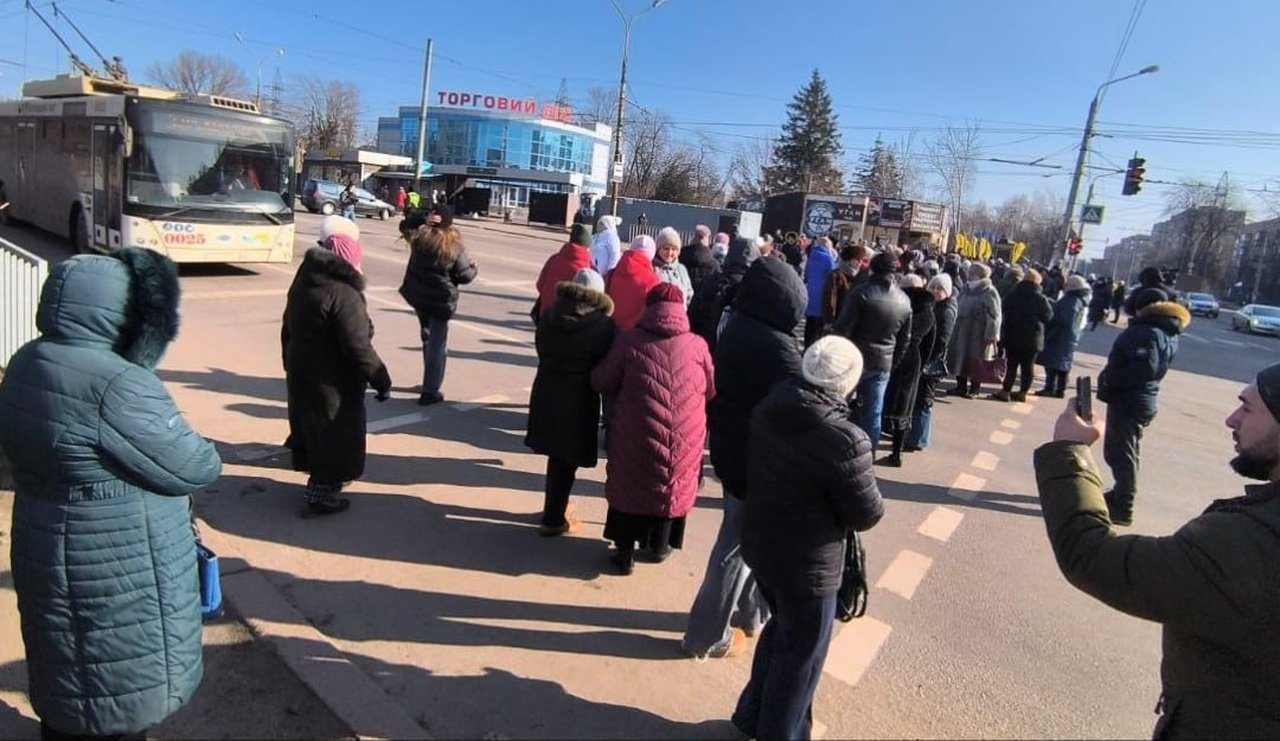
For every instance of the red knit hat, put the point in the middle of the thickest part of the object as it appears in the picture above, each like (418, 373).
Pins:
(665, 292)
(346, 248)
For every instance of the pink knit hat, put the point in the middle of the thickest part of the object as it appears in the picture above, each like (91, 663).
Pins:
(644, 243)
(346, 248)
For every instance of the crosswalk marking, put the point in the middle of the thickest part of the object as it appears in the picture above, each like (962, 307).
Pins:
(1011, 424)
(905, 573)
(940, 524)
(985, 461)
(1000, 437)
(1021, 407)
(854, 648)
(966, 486)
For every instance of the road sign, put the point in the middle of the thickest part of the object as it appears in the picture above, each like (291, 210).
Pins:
(617, 172)
(425, 168)
(1091, 214)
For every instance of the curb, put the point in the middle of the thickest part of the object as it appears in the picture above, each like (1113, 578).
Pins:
(338, 683)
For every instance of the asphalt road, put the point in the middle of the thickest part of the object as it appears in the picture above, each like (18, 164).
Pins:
(436, 584)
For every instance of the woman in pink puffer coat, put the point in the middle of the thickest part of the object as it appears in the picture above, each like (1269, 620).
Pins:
(661, 377)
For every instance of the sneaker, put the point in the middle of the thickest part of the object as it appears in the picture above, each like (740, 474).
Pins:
(571, 526)
(427, 398)
(1042, 392)
(1001, 395)
(738, 644)
(1018, 396)
(658, 555)
(329, 506)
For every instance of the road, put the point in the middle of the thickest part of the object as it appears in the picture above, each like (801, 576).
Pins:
(437, 587)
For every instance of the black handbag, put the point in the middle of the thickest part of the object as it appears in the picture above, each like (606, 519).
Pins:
(937, 368)
(851, 599)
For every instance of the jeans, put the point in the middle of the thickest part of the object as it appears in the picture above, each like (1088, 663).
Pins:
(1120, 449)
(560, 478)
(871, 403)
(777, 702)
(435, 351)
(921, 428)
(1024, 364)
(728, 584)
(349, 212)
(1055, 381)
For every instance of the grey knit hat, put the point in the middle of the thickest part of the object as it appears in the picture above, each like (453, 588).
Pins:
(1268, 382)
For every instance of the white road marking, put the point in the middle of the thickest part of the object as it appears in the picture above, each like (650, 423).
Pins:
(854, 648)
(966, 486)
(1232, 343)
(491, 332)
(466, 406)
(1000, 437)
(1011, 424)
(905, 574)
(985, 461)
(529, 289)
(1197, 338)
(402, 420)
(818, 731)
(1021, 407)
(254, 293)
(940, 524)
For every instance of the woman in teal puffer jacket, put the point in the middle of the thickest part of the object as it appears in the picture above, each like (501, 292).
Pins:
(104, 560)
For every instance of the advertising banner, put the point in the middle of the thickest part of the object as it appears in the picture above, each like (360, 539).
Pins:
(926, 217)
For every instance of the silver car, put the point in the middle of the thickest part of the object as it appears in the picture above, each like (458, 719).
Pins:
(1257, 319)
(1203, 303)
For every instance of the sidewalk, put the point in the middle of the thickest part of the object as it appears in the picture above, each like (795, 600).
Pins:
(247, 692)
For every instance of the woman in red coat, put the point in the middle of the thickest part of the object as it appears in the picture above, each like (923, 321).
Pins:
(562, 267)
(662, 377)
(629, 283)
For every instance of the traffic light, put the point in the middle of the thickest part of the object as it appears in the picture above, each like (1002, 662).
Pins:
(1133, 176)
(1074, 246)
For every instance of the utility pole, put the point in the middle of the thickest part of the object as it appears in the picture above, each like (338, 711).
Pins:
(615, 176)
(422, 117)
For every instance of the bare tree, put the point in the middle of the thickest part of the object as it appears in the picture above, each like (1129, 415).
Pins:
(910, 177)
(1199, 238)
(950, 157)
(746, 170)
(194, 73)
(600, 106)
(327, 114)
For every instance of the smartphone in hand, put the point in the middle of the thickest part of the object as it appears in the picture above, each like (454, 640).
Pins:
(1084, 398)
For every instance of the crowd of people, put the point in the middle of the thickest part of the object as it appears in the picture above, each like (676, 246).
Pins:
(820, 352)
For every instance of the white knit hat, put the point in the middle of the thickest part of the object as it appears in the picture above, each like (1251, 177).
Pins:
(335, 224)
(834, 363)
(590, 279)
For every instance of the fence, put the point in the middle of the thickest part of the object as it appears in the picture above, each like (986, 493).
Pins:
(629, 232)
(22, 275)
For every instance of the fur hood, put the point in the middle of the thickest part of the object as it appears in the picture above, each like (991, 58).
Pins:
(1167, 310)
(322, 266)
(583, 299)
(151, 313)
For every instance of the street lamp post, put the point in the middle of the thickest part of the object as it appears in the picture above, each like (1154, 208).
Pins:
(1084, 153)
(257, 96)
(615, 175)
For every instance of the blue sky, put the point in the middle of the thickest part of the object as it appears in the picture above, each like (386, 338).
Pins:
(1025, 70)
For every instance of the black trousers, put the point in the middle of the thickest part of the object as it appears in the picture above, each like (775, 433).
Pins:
(561, 476)
(1121, 448)
(1024, 364)
(812, 330)
(1055, 381)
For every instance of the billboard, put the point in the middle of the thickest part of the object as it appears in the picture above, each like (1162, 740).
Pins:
(927, 217)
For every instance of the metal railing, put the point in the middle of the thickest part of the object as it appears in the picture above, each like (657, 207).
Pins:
(22, 275)
(629, 232)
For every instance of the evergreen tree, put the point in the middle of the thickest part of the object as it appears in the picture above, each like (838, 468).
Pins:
(879, 173)
(808, 153)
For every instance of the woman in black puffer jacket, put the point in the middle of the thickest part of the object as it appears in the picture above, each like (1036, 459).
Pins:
(814, 484)
(438, 264)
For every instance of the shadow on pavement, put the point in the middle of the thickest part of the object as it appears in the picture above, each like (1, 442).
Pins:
(401, 615)
(1020, 504)
(492, 356)
(398, 527)
(221, 381)
(523, 298)
(499, 704)
(521, 324)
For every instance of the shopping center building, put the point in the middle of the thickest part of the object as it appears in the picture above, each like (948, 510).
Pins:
(513, 146)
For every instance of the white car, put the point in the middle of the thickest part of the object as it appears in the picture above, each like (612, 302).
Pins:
(1257, 319)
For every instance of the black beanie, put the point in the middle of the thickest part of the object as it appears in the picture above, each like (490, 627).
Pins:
(1268, 383)
(580, 235)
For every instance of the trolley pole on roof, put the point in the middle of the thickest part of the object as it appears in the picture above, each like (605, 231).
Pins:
(422, 118)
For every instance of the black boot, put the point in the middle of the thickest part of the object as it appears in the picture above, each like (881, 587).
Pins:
(624, 559)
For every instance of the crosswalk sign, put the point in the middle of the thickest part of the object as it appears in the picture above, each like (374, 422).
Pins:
(1091, 214)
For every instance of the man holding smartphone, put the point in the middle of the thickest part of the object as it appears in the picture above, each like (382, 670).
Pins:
(1214, 584)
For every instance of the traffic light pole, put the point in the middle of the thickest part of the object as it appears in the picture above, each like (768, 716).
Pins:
(422, 117)
(1075, 177)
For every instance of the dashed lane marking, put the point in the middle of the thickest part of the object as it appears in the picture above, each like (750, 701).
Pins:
(984, 461)
(940, 524)
(1000, 437)
(1021, 407)
(466, 406)
(1011, 424)
(818, 731)
(854, 649)
(966, 486)
(401, 420)
(905, 574)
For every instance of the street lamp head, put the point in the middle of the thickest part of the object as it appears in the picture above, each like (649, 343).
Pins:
(657, 4)
(1149, 69)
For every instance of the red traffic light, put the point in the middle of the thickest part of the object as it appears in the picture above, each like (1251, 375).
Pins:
(1074, 246)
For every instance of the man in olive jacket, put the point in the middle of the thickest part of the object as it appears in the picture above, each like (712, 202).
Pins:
(1214, 584)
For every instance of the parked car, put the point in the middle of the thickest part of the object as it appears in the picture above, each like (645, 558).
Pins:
(1257, 319)
(321, 197)
(1203, 303)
